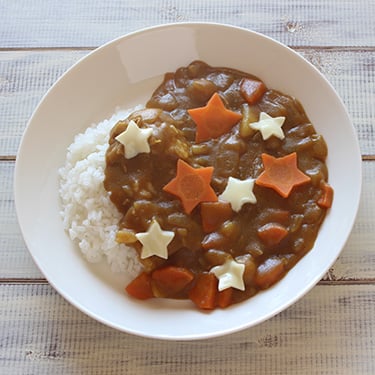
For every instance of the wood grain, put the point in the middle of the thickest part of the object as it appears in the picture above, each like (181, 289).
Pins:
(15, 260)
(329, 331)
(25, 76)
(86, 23)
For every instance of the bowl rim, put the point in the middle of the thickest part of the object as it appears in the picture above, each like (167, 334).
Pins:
(91, 54)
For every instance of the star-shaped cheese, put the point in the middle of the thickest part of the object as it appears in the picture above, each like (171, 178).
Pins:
(155, 241)
(238, 192)
(214, 119)
(269, 126)
(230, 274)
(134, 139)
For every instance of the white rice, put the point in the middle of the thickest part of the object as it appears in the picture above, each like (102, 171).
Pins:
(89, 216)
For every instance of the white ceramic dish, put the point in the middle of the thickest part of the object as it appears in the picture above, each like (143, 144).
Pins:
(124, 73)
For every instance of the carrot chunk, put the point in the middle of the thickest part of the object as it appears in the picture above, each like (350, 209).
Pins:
(272, 233)
(269, 272)
(326, 199)
(204, 291)
(171, 280)
(281, 174)
(213, 120)
(252, 90)
(191, 185)
(140, 287)
(214, 240)
(224, 298)
(214, 214)
(275, 215)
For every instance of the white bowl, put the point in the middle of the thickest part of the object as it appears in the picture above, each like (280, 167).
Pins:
(124, 73)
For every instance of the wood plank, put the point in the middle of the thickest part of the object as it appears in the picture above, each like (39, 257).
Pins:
(329, 331)
(25, 76)
(15, 260)
(358, 258)
(25, 24)
(352, 74)
(355, 263)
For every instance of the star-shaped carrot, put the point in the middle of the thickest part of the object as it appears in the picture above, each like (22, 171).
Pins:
(281, 174)
(214, 119)
(191, 185)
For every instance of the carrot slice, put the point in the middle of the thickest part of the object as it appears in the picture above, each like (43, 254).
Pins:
(252, 90)
(191, 185)
(140, 287)
(171, 280)
(214, 214)
(204, 291)
(213, 120)
(281, 174)
(325, 201)
(224, 298)
(272, 233)
(269, 272)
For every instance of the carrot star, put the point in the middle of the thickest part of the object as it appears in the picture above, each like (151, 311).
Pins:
(191, 185)
(213, 120)
(281, 174)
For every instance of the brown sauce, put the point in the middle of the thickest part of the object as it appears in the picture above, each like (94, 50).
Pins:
(136, 185)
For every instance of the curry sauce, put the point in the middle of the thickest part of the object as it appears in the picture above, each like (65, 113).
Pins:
(136, 185)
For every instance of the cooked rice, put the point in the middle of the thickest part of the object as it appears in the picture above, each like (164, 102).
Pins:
(89, 216)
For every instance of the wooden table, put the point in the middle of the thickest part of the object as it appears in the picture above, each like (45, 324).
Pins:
(330, 331)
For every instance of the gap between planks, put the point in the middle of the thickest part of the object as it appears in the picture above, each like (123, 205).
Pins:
(86, 48)
(13, 157)
(47, 49)
(365, 281)
(7, 158)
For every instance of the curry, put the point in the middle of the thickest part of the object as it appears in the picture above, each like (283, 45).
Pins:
(265, 234)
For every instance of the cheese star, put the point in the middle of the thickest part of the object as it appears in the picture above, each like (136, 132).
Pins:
(230, 274)
(155, 241)
(238, 192)
(134, 139)
(269, 126)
